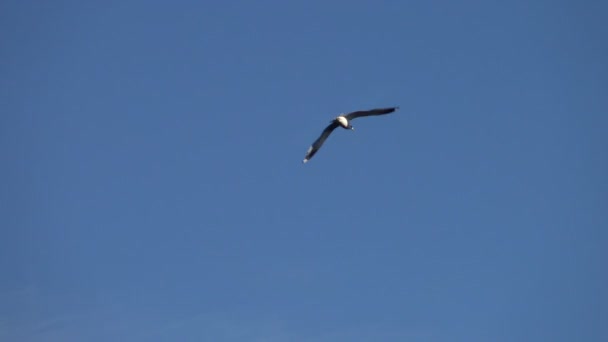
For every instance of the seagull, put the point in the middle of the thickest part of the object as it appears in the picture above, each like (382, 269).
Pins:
(343, 120)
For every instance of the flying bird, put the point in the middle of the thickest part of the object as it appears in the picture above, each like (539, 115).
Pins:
(343, 120)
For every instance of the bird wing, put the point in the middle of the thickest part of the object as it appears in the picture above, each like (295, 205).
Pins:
(377, 111)
(320, 140)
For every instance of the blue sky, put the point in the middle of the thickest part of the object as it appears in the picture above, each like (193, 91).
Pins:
(152, 185)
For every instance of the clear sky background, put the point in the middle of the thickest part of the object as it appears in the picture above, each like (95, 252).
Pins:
(152, 187)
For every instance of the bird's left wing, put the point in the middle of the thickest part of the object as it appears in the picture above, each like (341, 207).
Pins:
(320, 140)
(377, 111)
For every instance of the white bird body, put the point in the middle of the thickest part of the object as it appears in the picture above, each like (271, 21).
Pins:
(342, 121)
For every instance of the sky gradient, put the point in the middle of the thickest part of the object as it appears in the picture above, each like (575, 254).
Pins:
(153, 190)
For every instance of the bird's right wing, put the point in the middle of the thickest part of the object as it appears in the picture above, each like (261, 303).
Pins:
(377, 111)
(320, 140)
